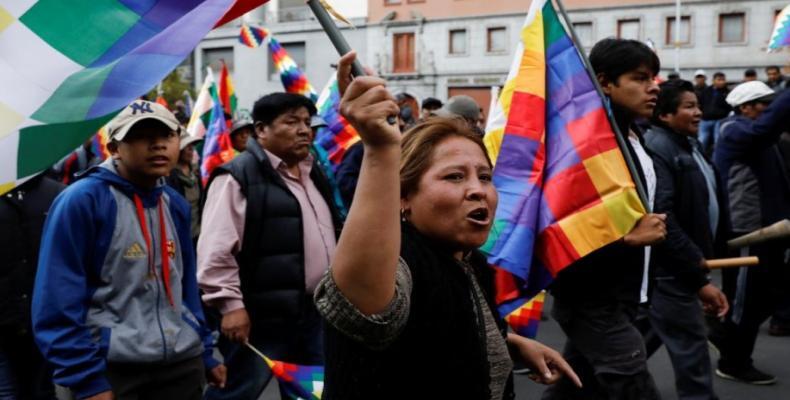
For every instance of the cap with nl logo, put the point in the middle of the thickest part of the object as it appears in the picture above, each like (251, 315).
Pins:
(137, 111)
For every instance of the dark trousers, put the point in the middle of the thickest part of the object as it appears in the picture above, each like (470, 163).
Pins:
(24, 374)
(605, 350)
(753, 293)
(676, 319)
(182, 380)
(297, 342)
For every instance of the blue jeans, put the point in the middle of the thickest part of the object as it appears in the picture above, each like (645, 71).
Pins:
(676, 317)
(299, 342)
(708, 133)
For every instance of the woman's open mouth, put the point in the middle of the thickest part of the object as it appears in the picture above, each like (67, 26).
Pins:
(479, 216)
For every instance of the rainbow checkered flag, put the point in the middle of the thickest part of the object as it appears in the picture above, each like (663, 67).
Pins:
(299, 382)
(68, 67)
(293, 78)
(251, 36)
(331, 142)
(564, 187)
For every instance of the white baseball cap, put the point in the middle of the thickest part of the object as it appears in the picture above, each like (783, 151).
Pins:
(700, 72)
(187, 139)
(137, 111)
(749, 91)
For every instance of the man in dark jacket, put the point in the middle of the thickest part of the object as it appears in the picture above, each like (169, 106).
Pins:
(597, 297)
(714, 109)
(754, 173)
(269, 232)
(695, 202)
(24, 374)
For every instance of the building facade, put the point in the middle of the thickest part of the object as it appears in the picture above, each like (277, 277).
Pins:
(293, 25)
(440, 48)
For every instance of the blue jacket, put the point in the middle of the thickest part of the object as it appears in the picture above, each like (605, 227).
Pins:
(95, 298)
(752, 167)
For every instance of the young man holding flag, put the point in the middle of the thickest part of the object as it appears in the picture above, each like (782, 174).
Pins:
(597, 297)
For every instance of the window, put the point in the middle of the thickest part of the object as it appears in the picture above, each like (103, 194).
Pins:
(213, 58)
(496, 40)
(297, 52)
(732, 28)
(403, 53)
(457, 41)
(685, 30)
(584, 31)
(628, 29)
(391, 2)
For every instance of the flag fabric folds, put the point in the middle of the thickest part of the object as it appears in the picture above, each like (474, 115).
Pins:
(251, 36)
(227, 94)
(201, 111)
(217, 146)
(69, 66)
(564, 188)
(293, 78)
(780, 36)
(331, 142)
(298, 381)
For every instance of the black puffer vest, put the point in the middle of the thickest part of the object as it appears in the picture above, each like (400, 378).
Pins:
(441, 353)
(271, 260)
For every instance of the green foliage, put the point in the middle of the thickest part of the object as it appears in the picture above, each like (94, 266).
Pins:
(173, 88)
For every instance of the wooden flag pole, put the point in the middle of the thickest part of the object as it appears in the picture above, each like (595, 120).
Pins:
(621, 140)
(732, 262)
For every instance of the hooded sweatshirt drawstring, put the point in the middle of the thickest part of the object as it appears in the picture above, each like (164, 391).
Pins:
(163, 240)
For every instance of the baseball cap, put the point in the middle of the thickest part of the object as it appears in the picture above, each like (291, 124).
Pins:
(749, 91)
(317, 122)
(241, 120)
(137, 111)
(187, 139)
(700, 72)
(461, 105)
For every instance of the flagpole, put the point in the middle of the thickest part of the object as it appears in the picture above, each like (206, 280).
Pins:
(339, 41)
(629, 161)
(334, 34)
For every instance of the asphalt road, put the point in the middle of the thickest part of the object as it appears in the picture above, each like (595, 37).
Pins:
(772, 354)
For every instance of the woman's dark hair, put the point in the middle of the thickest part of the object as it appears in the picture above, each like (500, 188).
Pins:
(669, 98)
(615, 57)
(418, 146)
(271, 106)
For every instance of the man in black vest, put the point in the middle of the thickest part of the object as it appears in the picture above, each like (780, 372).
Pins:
(269, 232)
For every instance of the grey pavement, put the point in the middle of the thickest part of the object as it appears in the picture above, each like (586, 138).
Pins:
(772, 354)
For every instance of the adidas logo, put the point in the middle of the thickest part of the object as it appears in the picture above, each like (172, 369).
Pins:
(134, 251)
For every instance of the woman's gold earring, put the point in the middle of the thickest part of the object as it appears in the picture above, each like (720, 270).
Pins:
(403, 215)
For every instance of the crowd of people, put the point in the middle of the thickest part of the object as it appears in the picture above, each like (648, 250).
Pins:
(141, 273)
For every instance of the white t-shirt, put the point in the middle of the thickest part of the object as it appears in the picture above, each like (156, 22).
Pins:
(650, 178)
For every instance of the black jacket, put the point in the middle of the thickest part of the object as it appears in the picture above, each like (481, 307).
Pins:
(348, 172)
(682, 194)
(714, 104)
(441, 352)
(22, 215)
(271, 260)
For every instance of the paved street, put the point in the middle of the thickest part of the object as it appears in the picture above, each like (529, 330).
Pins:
(771, 354)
